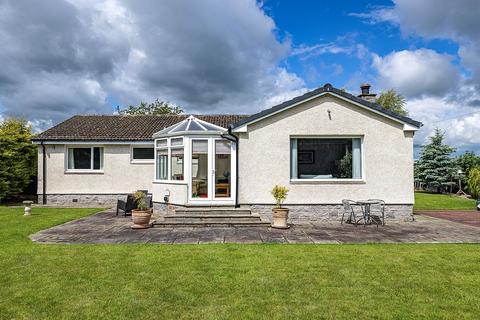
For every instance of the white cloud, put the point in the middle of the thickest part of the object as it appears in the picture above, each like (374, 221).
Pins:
(377, 15)
(432, 19)
(306, 52)
(459, 121)
(65, 57)
(417, 73)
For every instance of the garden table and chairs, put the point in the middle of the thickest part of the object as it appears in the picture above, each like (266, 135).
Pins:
(370, 211)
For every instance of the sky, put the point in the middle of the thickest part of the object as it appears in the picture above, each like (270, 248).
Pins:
(65, 57)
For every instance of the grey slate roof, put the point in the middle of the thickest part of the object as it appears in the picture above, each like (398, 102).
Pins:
(124, 127)
(142, 127)
(327, 88)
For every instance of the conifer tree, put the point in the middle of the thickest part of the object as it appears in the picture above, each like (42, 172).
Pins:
(435, 168)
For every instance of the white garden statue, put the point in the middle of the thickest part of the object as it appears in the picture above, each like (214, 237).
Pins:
(28, 207)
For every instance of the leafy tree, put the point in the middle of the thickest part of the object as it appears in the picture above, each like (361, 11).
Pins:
(436, 169)
(466, 162)
(474, 182)
(155, 108)
(18, 157)
(392, 101)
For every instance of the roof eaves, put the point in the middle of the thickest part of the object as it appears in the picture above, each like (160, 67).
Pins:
(326, 88)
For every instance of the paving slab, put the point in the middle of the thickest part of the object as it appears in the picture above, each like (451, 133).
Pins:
(465, 217)
(106, 227)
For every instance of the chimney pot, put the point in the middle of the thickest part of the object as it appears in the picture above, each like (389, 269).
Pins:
(366, 95)
(365, 87)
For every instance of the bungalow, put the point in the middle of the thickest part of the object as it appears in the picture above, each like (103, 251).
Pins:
(325, 146)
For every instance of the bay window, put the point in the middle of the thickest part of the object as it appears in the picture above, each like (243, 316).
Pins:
(85, 158)
(326, 158)
(169, 159)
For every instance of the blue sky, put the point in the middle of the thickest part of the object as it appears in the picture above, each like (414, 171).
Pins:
(66, 57)
(332, 23)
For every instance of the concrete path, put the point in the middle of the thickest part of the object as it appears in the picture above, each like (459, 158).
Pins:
(105, 227)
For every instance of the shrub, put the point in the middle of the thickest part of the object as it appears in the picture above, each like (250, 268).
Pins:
(141, 200)
(474, 182)
(280, 194)
(18, 158)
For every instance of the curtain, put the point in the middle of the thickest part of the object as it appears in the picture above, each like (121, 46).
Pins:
(71, 159)
(200, 146)
(356, 159)
(222, 147)
(293, 162)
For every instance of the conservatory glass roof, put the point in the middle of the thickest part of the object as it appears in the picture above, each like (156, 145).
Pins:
(191, 125)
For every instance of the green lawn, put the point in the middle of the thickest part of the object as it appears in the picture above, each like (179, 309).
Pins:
(229, 281)
(433, 201)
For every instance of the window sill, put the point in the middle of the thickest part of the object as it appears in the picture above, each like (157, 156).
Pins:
(84, 172)
(170, 182)
(327, 181)
(142, 161)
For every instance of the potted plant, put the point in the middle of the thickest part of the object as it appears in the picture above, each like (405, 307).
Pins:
(142, 214)
(279, 214)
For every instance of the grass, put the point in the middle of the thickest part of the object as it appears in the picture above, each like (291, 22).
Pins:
(232, 281)
(434, 201)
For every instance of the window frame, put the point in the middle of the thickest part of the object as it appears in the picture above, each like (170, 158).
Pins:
(360, 180)
(140, 146)
(169, 148)
(92, 155)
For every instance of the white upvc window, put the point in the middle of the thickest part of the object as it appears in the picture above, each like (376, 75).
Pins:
(142, 154)
(84, 159)
(326, 158)
(169, 159)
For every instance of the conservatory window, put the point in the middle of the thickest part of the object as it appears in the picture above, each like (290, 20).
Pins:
(170, 159)
(162, 164)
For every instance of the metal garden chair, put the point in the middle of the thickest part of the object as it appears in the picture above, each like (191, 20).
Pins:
(349, 209)
(377, 212)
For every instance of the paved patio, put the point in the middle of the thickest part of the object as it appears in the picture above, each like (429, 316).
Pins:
(105, 227)
(471, 218)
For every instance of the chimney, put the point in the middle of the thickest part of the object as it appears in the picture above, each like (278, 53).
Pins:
(366, 95)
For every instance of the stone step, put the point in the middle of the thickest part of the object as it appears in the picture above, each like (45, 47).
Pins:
(212, 211)
(210, 216)
(231, 223)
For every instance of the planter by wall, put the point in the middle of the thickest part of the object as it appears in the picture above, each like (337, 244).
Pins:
(279, 218)
(141, 219)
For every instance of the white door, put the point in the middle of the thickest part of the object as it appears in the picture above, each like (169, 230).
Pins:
(222, 169)
(212, 171)
(200, 170)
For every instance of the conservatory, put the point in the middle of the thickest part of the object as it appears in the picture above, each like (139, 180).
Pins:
(195, 163)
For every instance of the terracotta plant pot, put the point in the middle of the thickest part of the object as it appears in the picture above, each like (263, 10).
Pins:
(141, 219)
(279, 218)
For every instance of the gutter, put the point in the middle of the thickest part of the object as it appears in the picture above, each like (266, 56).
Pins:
(234, 138)
(44, 174)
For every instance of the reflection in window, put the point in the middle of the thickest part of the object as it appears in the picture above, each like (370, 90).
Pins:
(90, 158)
(177, 163)
(142, 154)
(333, 158)
(162, 164)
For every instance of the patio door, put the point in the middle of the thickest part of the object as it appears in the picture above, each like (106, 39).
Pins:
(200, 180)
(212, 171)
(222, 172)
